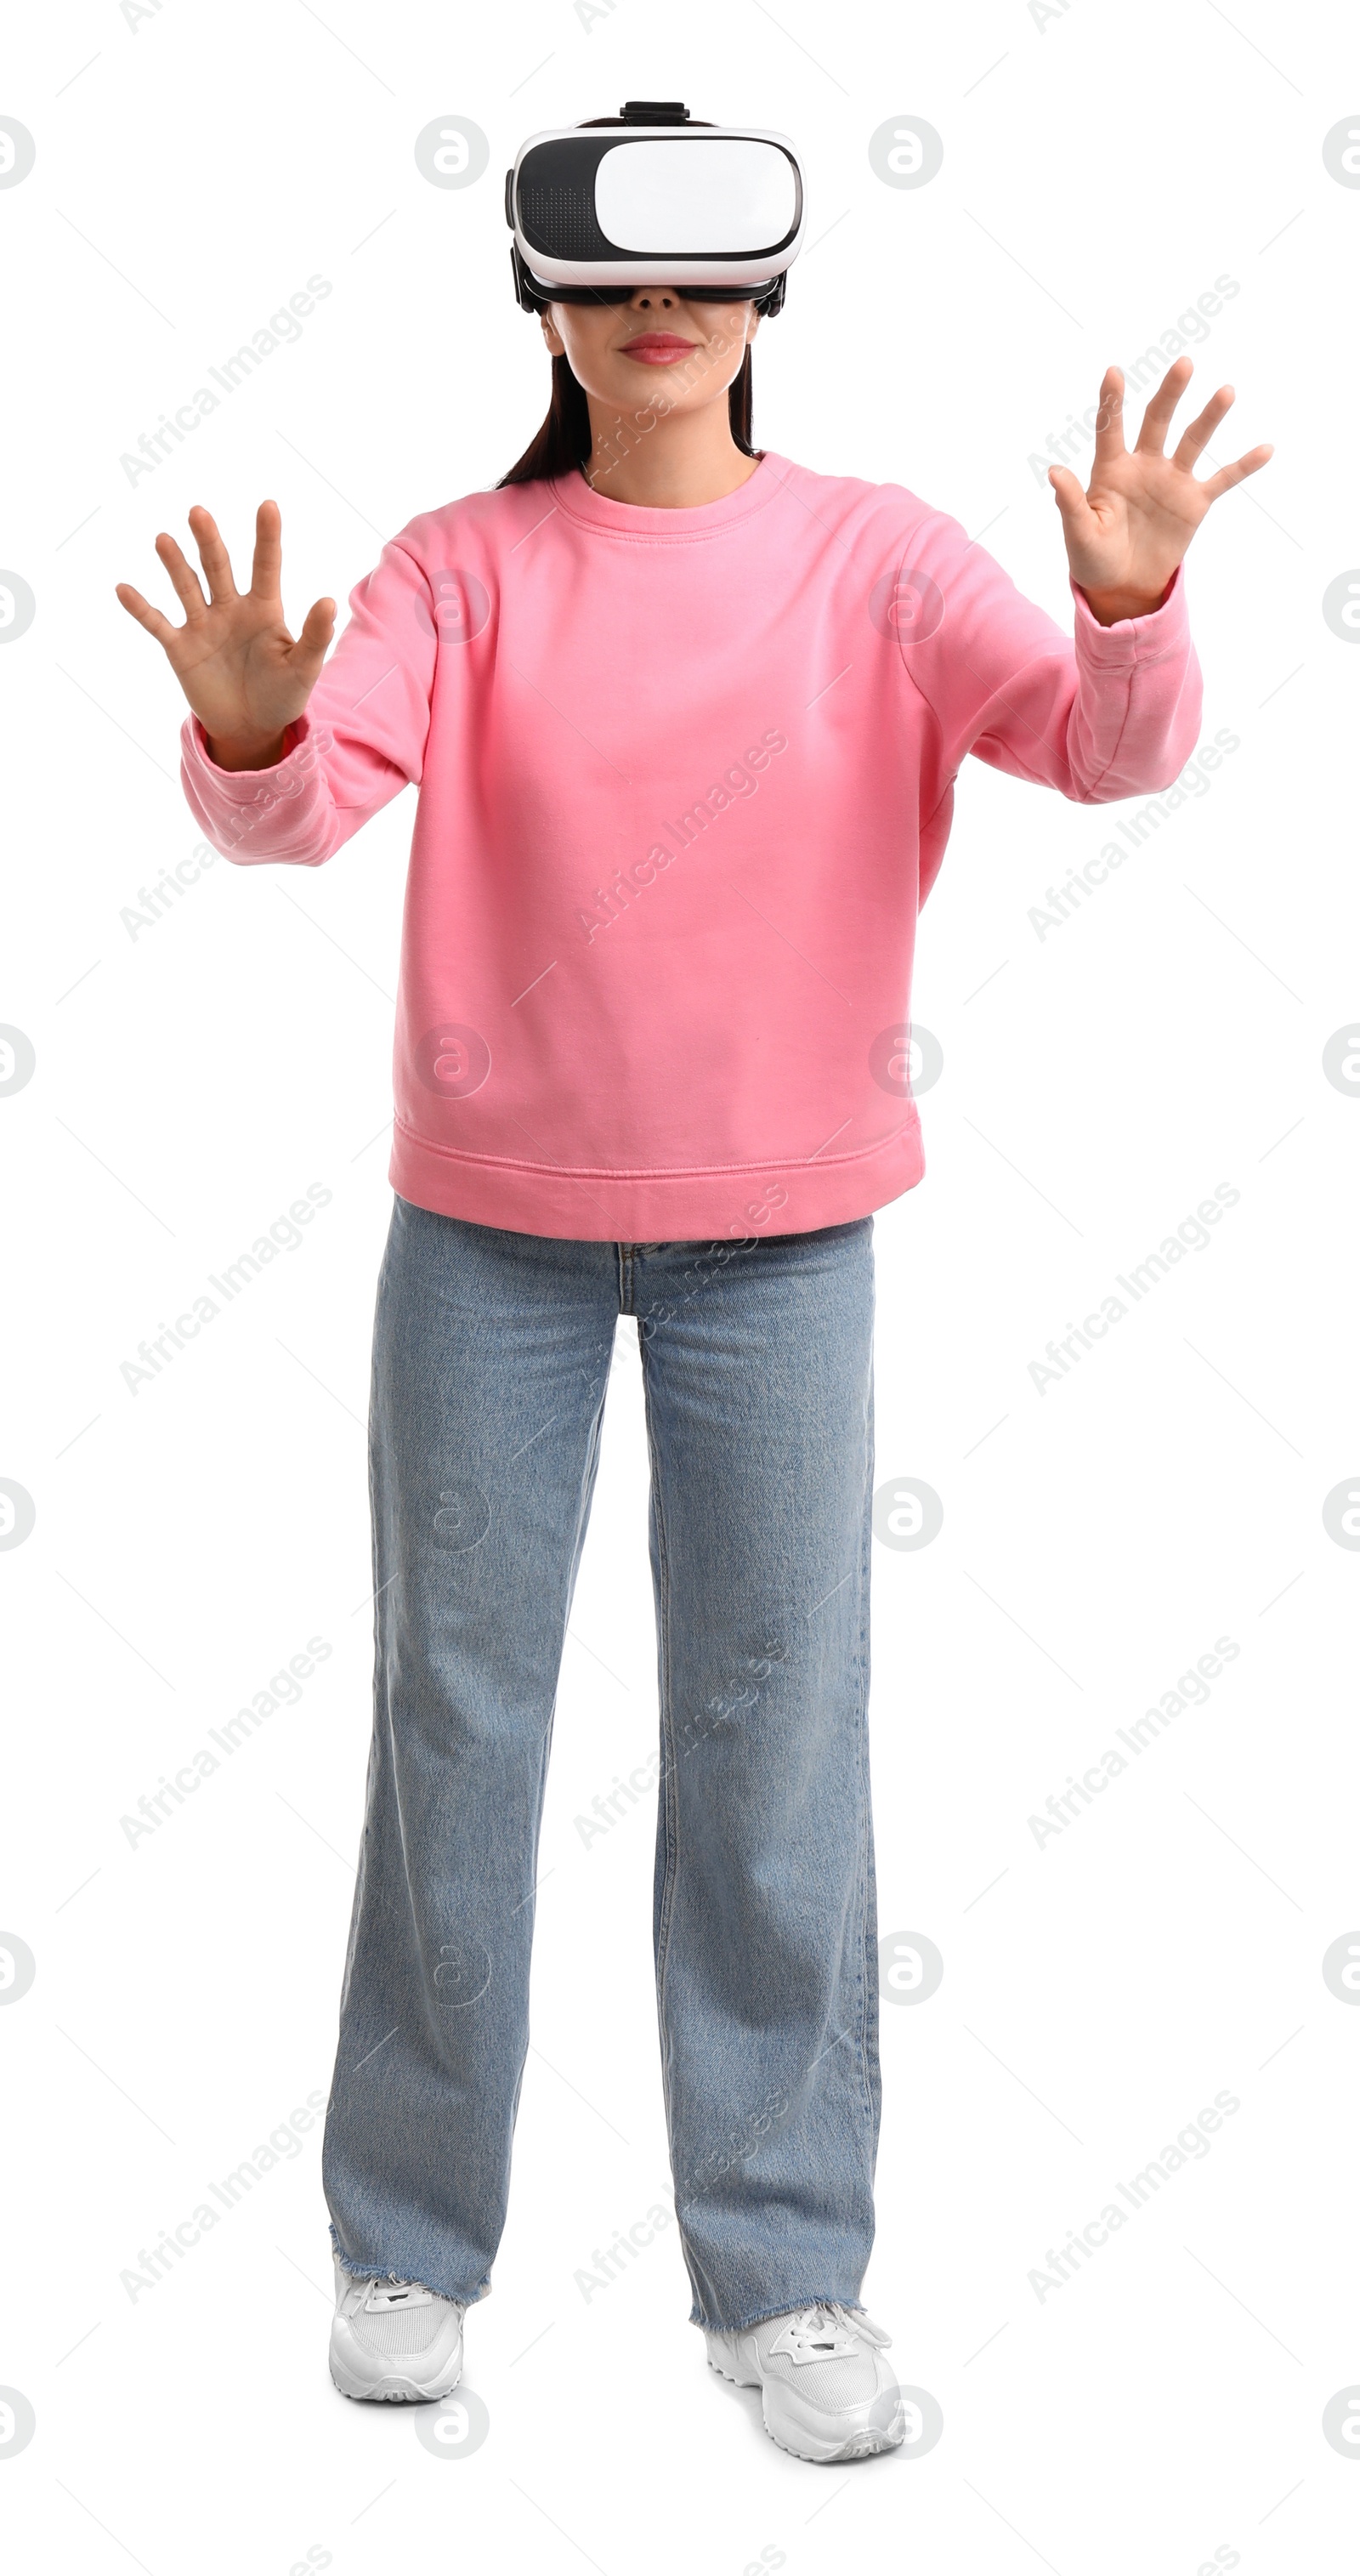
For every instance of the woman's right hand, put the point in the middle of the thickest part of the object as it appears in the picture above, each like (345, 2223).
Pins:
(242, 672)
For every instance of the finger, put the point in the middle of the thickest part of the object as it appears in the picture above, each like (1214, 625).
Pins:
(268, 558)
(1077, 513)
(1110, 416)
(1197, 433)
(1157, 418)
(1237, 472)
(147, 616)
(184, 577)
(212, 554)
(318, 626)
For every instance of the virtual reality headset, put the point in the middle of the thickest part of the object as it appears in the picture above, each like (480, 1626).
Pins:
(654, 197)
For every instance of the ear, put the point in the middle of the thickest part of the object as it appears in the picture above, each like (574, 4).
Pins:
(753, 321)
(552, 337)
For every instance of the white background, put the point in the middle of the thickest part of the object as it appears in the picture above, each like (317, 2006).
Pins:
(1100, 171)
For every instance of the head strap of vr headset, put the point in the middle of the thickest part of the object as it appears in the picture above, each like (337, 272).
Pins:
(634, 111)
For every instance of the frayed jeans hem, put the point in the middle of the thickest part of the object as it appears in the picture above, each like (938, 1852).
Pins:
(374, 2271)
(787, 2308)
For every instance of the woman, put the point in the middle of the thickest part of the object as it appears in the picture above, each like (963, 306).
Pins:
(685, 720)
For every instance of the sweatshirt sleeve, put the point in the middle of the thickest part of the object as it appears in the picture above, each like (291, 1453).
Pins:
(360, 741)
(1108, 711)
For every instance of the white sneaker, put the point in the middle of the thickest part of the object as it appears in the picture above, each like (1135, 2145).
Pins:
(394, 2339)
(827, 2392)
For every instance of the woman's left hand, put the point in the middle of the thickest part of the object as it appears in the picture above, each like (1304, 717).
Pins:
(1128, 531)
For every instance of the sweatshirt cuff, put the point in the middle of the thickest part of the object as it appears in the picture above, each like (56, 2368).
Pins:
(1164, 631)
(241, 786)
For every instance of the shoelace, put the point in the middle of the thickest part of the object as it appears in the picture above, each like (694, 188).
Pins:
(396, 2294)
(828, 2317)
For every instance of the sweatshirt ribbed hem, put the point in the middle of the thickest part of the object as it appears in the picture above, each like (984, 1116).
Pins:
(656, 1207)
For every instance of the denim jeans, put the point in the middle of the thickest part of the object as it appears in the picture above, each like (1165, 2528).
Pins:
(492, 1353)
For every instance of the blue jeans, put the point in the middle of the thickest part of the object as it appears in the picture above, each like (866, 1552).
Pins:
(491, 1359)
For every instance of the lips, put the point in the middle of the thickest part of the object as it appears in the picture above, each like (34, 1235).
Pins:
(658, 348)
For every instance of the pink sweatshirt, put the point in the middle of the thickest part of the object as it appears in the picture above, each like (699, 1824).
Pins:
(684, 778)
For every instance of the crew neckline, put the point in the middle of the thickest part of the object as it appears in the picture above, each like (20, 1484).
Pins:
(579, 500)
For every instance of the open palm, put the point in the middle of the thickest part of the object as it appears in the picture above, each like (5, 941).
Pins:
(243, 674)
(1128, 530)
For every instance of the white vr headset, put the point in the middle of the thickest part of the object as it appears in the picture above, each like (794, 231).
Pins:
(653, 197)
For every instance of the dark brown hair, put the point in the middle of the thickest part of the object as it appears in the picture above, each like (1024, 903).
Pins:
(564, 439)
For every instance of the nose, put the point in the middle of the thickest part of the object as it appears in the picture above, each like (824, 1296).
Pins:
(661, 299)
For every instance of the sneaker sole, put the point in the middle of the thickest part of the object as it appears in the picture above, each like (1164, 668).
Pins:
(865, 2444)
(397, 2392)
